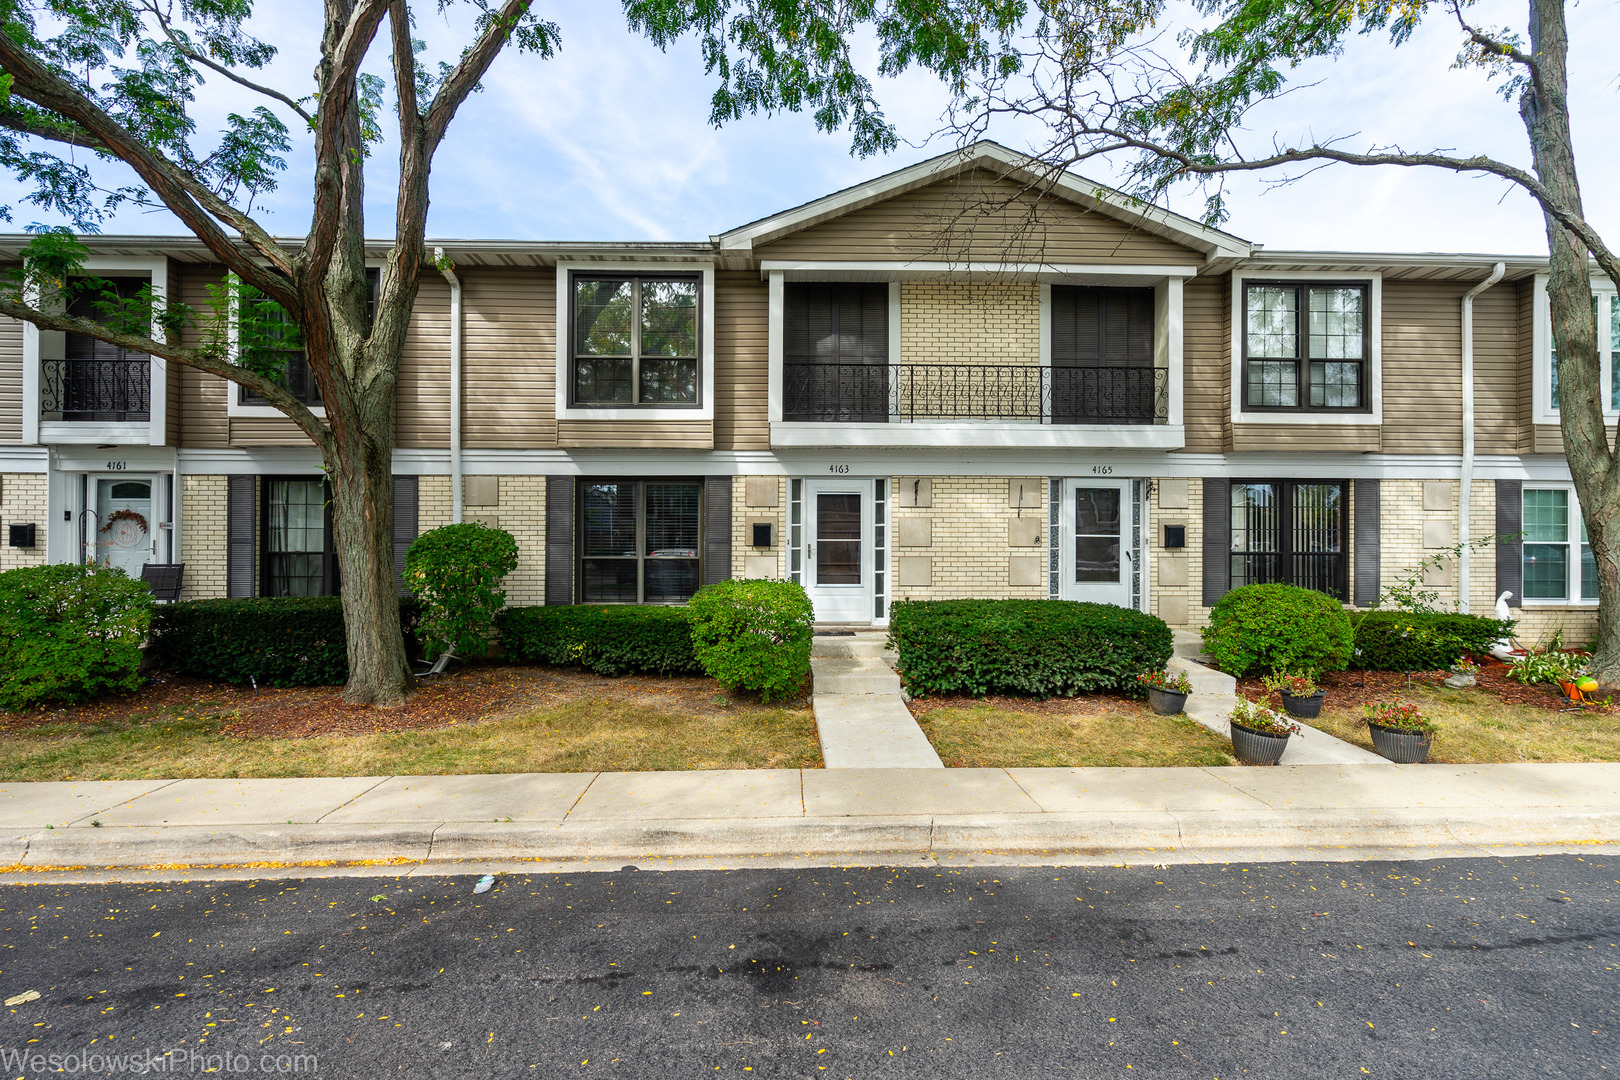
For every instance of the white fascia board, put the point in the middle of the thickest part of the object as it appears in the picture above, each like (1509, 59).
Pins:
(262, 459)
(1375, 352)
(24, 459)
(990, 435)
(135, 458)
(925, 270)
(704, 410)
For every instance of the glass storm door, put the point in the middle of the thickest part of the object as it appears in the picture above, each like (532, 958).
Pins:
(126, 535)
(1096, 544)
(838, 543)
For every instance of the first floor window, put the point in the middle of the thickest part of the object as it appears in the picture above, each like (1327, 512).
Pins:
(299, 559)
(1556, 548)
(1289, 532)
(639, 541)
(1305, 345)
(635, 339)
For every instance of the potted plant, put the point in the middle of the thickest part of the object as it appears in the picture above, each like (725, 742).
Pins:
(1400, 731)
(1167, 693)
(1299, 692)
(1462, 674)
(1259, 735)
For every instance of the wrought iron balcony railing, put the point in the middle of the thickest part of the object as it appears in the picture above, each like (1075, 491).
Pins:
(96, 389)
(905, 393)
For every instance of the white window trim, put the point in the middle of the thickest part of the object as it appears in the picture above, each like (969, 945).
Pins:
(156, 429)
(235, 407)
(1541, 348)
(706, 333)
(1573, 584)
(1375, 352)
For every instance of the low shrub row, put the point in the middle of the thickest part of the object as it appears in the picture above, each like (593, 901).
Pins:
(69, 632)
(620, 639)
(1409, 641)
(1040, 648)
(274, 641)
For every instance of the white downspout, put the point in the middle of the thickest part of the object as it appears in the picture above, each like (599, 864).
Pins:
(446, 268)
(1465, 493)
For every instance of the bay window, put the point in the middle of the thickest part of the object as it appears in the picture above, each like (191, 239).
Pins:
(1305, 346)
(634, 339)
(1290, 532)
(639, 541)
(1558, 563)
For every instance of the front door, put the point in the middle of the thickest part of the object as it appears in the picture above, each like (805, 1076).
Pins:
(125, 531)
(838, 549)
(1097, 553)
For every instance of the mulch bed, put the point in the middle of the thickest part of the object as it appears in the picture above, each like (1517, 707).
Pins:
(468, 696)
(1058, 706)
(1351, 689)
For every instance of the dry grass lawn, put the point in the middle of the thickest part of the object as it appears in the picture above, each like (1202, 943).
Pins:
(1477, 728)
(606, 725)
(1013, 733)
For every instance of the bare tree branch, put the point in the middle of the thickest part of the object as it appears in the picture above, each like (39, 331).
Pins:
(192, 54)
(464, 77)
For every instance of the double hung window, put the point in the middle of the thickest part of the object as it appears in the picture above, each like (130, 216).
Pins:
(267, 339)
(1558, 563)
(635, 339)
(1290, 532)
(1305, 346)
(1606, 313)
(296, 538)
(640, 541)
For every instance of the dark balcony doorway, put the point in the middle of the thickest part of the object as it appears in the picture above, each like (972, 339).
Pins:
(96, 380)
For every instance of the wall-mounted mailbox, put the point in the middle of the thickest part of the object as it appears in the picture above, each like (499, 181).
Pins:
(1175, 536)
(762, 533)
(21, 536)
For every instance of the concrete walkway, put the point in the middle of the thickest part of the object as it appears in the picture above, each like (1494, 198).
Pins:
(861, 719)
(1214, 693)
(843, 815)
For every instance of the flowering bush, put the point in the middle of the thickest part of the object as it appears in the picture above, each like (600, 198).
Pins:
(1163, 680)
(1399, 716)
(1464, 666)
(1299, 684)
(1252, 714)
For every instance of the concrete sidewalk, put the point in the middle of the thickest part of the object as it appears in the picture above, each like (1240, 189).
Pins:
(1158, 815)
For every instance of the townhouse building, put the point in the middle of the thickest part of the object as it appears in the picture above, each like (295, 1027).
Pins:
(957, 380)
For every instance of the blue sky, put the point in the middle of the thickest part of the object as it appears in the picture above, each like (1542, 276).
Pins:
(609, 140)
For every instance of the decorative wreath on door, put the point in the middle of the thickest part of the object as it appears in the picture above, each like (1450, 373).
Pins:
(125, 521)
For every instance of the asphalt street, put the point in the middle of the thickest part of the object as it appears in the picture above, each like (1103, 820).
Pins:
(1448, 968)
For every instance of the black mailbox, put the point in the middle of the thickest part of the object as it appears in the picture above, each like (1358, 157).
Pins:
(762, 534)
(1175, 536)
(22, 536)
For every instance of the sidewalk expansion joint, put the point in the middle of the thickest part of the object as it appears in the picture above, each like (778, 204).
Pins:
(126, 802)
(358, 795)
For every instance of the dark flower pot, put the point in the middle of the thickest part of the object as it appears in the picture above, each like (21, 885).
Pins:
(1306, 708)
(1254, 747)
(1401, 747)
(1166, 702)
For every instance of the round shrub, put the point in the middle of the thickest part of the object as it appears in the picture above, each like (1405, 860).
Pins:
(1262, 629)
(753, 635)
(456, 572)
(69, 632)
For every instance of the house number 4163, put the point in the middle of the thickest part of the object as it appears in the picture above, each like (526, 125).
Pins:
(838, 468)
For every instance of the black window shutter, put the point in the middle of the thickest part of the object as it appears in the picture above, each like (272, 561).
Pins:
(1365, 543)
(559, 540)
(239, 537)
(1217, 539)
(716, 529)
(405, 503)
(1510, 554)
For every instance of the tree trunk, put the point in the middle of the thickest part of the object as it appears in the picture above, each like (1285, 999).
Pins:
(1587, 444)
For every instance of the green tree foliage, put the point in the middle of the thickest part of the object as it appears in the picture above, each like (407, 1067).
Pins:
(456, 572)
(69, 632)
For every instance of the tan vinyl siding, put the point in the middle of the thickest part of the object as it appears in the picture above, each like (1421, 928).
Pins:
(1306, 438)
(1206, 396)
(1422, 367)
(1547, 439)
(637, 434)
(741, 371)
(422, 417)
(1496, 371)
(981, 217)
(11, 370)
(203, 423)
(510, 363)
(1527, 365)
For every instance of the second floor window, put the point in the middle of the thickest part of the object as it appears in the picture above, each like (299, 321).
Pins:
(1305, 346)
(265, 332)
(635, 339)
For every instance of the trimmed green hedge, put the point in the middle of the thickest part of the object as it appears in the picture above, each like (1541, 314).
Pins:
(1406, 641)
(1041, 648)
(69, 632)
(1270, 628)
(753, 634)
(276, 641)
(617, 639)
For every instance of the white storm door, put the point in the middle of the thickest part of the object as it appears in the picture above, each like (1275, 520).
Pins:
(125, 533)
(838, 549)
(1096, 548)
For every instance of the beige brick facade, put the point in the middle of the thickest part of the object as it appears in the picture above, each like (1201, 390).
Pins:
(519, 508)
(22, 500)
(977, 323)
(203, 536)
(1176, 578)
(758, 499)
(968, 551)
